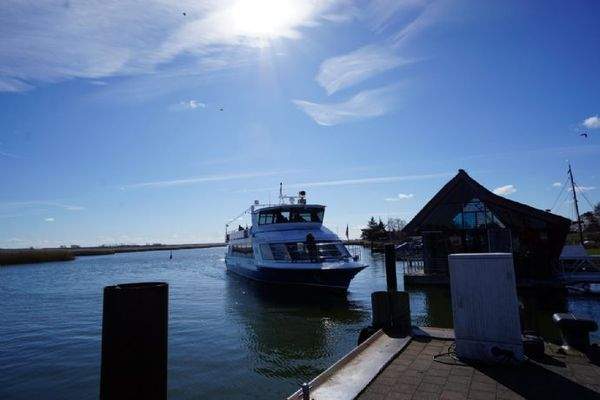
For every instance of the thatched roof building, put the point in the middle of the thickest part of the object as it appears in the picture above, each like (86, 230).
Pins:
(465, 217)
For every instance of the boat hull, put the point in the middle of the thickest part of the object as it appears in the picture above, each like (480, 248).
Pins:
(331, 278)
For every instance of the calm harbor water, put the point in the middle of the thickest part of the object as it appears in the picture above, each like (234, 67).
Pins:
(228, 337)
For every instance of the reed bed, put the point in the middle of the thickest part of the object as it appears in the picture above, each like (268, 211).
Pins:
(27, 256)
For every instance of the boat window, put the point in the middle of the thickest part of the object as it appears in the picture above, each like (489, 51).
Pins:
(242, 250)
(265, 251)
(283, 216)
(303, 252)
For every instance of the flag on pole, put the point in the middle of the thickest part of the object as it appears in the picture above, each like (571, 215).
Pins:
(347, 233)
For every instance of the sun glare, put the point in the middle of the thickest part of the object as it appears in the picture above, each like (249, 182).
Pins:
(266, 19)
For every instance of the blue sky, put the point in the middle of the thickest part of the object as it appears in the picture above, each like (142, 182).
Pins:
(112, 128)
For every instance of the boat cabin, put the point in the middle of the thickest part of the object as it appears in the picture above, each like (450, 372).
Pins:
(265, 217)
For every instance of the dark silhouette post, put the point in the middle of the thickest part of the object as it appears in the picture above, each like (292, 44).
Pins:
(134, 341)
(391, 309)
(390, 268)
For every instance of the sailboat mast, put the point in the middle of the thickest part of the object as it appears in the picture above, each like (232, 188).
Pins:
(576, 205)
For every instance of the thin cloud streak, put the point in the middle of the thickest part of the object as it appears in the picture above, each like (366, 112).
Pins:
(563, 151)
(11, 205)
(343, 71)
(200, 179)
(366, 104)
(582, 189)
(8, 155)
(358, 181)
(381, 12)
(429, 15)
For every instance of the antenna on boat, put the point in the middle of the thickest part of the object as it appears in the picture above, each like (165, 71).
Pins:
(576, 204)
(280, 192)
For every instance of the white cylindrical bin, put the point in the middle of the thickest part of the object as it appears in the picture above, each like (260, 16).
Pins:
(485, 307)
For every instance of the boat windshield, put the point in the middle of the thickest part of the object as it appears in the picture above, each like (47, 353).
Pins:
(291, 215)
(304, 252)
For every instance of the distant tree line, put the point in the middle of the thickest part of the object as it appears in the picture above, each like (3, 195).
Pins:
(590, 222)
(377, 231)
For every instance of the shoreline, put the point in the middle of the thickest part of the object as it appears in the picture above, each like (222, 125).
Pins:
(31, 256)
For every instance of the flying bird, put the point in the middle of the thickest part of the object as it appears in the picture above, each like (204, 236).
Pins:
(583, 134)
(220, 109)
(184, 14)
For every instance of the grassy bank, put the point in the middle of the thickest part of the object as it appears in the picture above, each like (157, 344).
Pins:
(102, 250)
(27, 256)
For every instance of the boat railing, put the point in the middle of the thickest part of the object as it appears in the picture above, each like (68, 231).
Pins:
(416, 266)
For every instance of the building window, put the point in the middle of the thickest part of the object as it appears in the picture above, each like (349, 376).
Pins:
(476, 215)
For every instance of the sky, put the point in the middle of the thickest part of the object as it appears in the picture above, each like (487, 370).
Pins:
(158, 121)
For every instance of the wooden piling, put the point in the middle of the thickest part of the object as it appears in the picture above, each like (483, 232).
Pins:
(390, 268)
(134, 341)
(391, 309)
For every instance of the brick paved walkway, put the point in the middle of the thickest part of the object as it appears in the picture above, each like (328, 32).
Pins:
(413, 374)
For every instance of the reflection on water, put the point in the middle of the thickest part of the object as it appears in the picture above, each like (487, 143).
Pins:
(431, 306)
(228, 337)
(289, 330)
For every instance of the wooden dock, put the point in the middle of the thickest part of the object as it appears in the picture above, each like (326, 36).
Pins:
(421, 366)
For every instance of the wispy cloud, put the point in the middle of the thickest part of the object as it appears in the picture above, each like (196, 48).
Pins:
(381, 12)
(45, 42)
(200, 179)
(357, 181)
(557, 184)
(49, 219)
(39, 204)
(8, 155)
(430, 14)
(365, 104)
(401, 196)
(505, 190)
(560, 151)
(187, 105)
(592, 122)
(582, 189)
(340, 72)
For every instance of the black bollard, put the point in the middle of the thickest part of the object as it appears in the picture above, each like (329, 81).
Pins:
(381, 313)
(575, 332)
(134, 341)
(390, 268)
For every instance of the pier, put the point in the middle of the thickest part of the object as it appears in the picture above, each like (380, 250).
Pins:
(425, 369)
(486, 356)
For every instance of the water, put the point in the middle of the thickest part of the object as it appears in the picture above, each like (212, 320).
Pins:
(228, 337)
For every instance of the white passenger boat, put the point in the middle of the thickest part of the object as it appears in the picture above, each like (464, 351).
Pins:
(288, 244)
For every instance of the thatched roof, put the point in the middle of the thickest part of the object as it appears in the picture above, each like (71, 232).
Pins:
(461, 180)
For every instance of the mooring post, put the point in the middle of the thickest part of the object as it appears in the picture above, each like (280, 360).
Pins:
(134, 341)
(398, 302)
(390, 268)
(305, 391)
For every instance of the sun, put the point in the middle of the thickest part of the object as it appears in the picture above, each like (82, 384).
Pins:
(266, 19)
